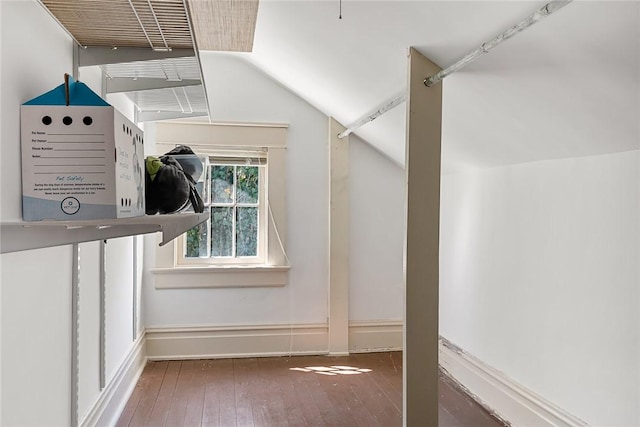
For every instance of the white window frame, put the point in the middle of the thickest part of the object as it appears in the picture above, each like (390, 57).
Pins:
(212, 138)
(218, 159)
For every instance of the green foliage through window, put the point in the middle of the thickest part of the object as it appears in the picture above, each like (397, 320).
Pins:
(232, 230)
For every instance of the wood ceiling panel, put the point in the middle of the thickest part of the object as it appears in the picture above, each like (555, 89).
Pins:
(224, 25)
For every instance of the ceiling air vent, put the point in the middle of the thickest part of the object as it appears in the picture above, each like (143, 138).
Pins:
(146, 48)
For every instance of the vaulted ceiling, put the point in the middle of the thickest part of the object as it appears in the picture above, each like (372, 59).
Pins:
(568, 86)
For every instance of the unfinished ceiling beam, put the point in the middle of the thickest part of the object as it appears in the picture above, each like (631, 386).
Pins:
(541, 13)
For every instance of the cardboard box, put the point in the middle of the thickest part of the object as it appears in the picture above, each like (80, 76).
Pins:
(81, 158)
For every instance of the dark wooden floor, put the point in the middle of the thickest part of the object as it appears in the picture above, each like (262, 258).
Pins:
(358, 390)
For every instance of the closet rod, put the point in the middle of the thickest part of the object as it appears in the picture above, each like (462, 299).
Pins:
(369, 117)
(543, 12)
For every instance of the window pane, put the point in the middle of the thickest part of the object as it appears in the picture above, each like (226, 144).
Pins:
(197, 241)
(221, 231)
(247, 182)
(222, 184)
(247, 232)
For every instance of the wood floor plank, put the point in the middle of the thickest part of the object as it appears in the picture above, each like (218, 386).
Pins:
(318, 393)
(225, 388)
(383, 413)
(461, 407)
(182, 395)
(196, 391)
(244, 414)
(304, 397)
(346, 409)
(146, 404)
(298, 403)
(219, 400)
(386, 374)
(160, 411)
(267, 403)
(361, 390)
(349, 379)
(299, 407)
(138, 393)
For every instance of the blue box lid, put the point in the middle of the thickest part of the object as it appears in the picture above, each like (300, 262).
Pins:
(79, 95)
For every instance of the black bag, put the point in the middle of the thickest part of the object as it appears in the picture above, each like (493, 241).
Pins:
(170, 184)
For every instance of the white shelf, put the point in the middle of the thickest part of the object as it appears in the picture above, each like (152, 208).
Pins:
(21, 235)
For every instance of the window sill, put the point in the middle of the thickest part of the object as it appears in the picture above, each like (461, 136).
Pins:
(230, 276)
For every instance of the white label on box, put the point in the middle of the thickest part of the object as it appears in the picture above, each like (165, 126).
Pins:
(69, 158)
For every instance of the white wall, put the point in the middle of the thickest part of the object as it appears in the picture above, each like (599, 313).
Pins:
(241, 93)
(89, 327)
(540, 279)
(119, 298)
(36, 285)
(376, 233)
(36, 343)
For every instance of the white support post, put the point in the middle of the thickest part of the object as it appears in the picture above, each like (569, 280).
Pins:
(338, 240)
(420, 356)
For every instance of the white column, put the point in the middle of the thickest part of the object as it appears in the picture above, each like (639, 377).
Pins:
(424, 119)
(338, 240)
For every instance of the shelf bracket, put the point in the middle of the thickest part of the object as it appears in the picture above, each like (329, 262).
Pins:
(21, 236)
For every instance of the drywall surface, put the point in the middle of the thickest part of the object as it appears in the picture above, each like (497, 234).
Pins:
(36, 285)
(376, 232)
(36, 342)
(540, 278)
(239, 92)
(119, 299)
(35, 55)
(89, 326)
(242, 93)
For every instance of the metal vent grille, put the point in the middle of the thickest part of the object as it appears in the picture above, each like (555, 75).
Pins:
(180, 99)
(164, 86)
(175, 69)
(187, 100)
(159, 24)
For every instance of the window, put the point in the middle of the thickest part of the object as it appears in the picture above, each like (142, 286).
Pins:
(235, 196)
(227, 251)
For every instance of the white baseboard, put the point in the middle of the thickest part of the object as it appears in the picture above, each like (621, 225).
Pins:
(499, 394)
(112, 400)
(266, 340)
(367, 337)
(235, 341)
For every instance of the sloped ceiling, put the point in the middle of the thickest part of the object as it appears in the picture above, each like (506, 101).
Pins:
(568, 86)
